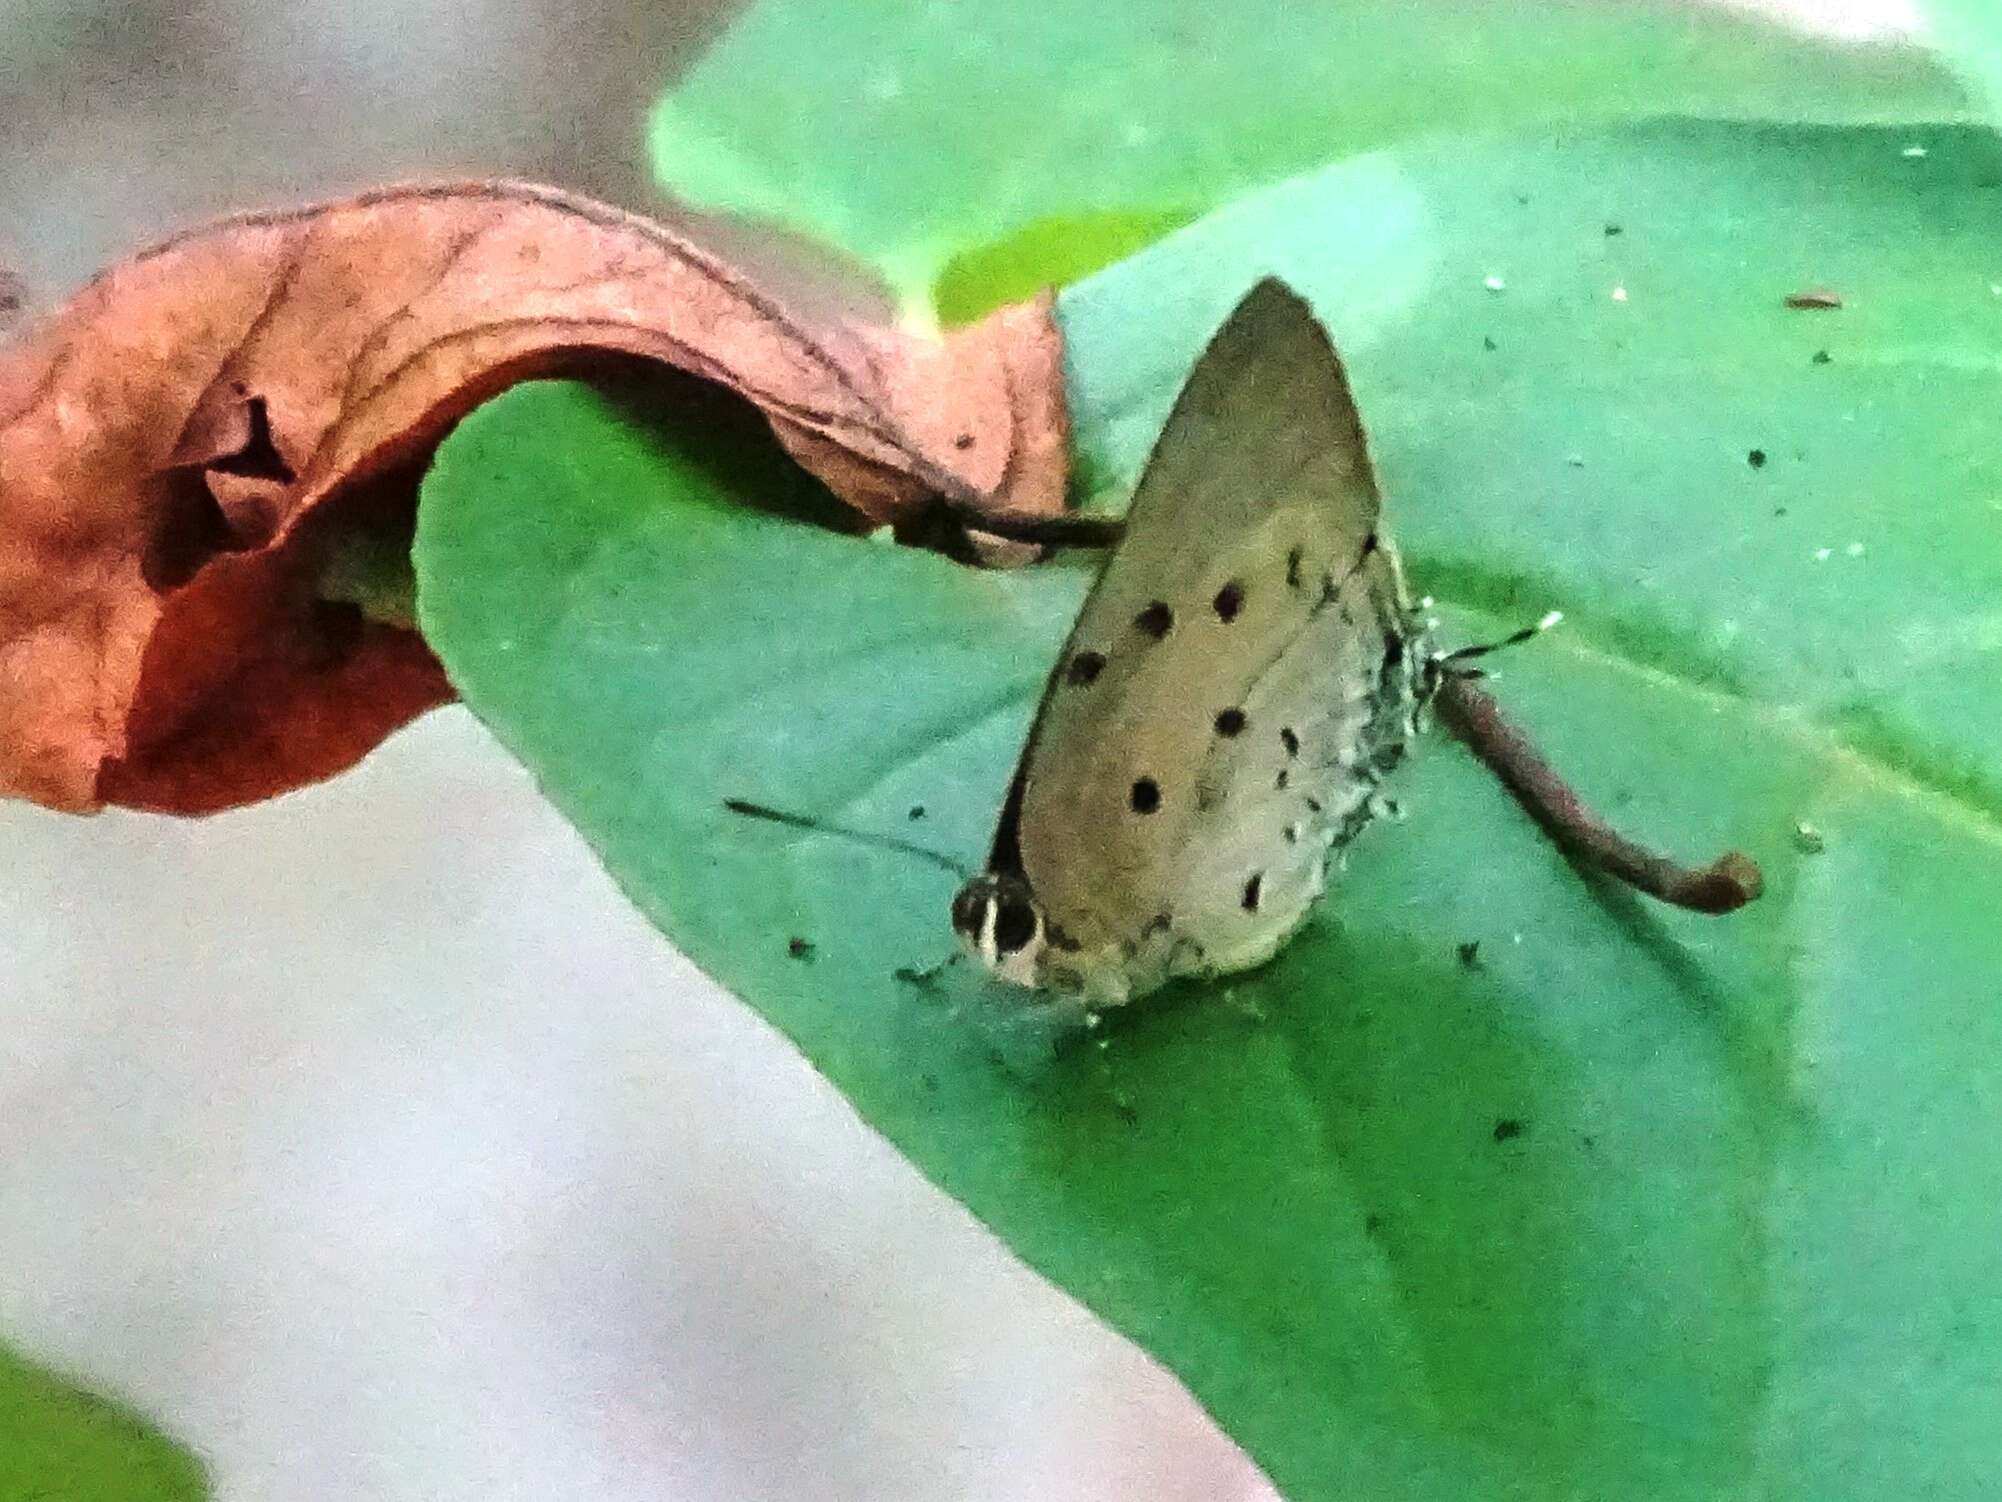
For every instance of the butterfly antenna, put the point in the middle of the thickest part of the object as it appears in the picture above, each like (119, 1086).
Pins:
(772, 815)
(1449, 663)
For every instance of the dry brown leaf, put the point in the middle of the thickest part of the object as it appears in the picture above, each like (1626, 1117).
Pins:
(179, 440)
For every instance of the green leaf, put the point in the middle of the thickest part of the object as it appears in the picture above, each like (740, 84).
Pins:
(914, 134)
(1970, 32)
(1641, 1204)
(59, 1443)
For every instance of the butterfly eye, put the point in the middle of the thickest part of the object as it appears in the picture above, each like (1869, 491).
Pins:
(969, 908)
(1015, 925)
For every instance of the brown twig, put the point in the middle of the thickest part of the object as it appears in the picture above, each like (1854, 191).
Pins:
(1723, 886)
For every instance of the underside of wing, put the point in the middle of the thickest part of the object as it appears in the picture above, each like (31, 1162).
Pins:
(1250, 582)
(1318, 731)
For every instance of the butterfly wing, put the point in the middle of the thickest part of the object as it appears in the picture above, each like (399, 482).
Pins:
(1225, 682)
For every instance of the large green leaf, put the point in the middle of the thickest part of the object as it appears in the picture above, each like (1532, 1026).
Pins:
(59, 1443)
(1971, 33)
(1041, 138)
(1640, 1204)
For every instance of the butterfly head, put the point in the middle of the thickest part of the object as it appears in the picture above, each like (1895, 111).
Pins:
(999, 920)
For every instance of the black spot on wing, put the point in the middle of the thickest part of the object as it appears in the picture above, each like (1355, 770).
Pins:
(1157, 620)
(1331, 586)
(1289, 740)
(1229, 602)
(1253, 891)
(1229, 722)
(1084, 668)
(1293, 562)
(1144, 795)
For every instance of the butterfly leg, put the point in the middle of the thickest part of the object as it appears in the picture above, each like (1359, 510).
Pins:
(1244, 1006)
(927, 979)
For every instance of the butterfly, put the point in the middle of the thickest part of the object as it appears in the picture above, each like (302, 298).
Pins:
(1246, 671)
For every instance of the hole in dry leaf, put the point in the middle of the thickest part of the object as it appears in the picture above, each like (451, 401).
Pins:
(259, 458)
(190, 530)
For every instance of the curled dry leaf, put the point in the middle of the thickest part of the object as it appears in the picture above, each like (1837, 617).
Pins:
(182, 440)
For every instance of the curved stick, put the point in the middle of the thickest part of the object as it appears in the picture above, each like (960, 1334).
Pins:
(1723, 886)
